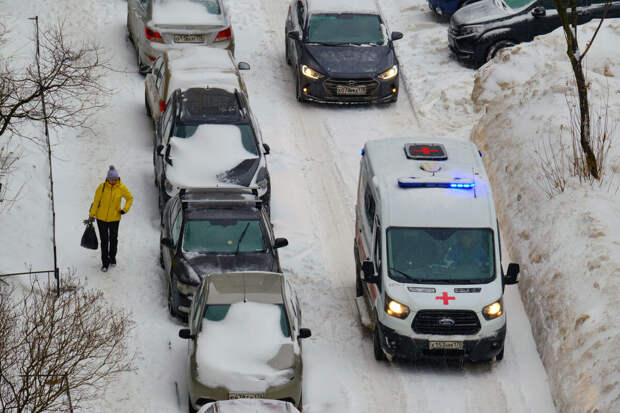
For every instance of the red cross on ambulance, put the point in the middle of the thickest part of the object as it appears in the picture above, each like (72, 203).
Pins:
(445, 297)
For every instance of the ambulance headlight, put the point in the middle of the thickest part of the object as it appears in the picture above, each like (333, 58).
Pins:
(396, 309)
(493, 310)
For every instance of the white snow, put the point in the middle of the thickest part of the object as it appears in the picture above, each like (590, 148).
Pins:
(249, 406)
(212, 150)
(235, 352)
(182, 12)
(343, 6)
(200, 58)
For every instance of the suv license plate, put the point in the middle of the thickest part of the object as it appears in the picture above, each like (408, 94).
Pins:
(445, 345)
(246, 395)
(350, 90)
(189, 38)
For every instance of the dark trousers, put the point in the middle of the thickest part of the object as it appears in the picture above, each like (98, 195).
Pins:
(108, 232)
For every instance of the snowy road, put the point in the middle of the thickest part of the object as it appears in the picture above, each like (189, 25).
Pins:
(314, 163)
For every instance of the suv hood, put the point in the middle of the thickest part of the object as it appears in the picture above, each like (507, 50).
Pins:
(350, 61)
(480, 12)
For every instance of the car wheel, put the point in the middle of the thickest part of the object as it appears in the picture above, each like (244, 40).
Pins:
(286, 52)
(298, 88)
(142, 68)
(496, 46)
(359, 288)
(376, 345)
(171, 306)
(161, 257)
(146, 106)
(500, 355)
(163, 198)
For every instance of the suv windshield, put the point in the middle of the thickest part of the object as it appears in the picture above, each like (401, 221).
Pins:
(441, 255)
(345, 29)
(226, 236)
(222, 135)
(517, 4)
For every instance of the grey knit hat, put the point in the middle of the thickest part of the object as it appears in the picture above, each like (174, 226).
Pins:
(112, 173)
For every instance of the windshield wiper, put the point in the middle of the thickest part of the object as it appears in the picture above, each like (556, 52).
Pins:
(405, 274)
(241, 237)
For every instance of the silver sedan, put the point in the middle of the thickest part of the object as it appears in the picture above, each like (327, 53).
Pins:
(158, 25)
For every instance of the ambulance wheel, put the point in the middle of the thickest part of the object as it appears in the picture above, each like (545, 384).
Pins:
(376, 345)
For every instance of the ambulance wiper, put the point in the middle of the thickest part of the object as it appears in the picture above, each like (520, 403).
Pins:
(405, 274)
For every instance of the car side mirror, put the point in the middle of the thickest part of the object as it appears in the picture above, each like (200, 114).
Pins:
(396, 36)
(167, 242)
(160, 150)
(304, 333)
(266, 148)
(539, 11)
(368, 268)
(243, 66)
(280, 242)
(294, 35)
(186, 334)
(511, 274)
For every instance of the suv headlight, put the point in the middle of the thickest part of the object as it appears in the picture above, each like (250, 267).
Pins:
(390, 73)
(395, 308)
(307, 71)
(493, 310)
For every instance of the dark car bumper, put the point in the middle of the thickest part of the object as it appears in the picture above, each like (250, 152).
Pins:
(399, 346)
(465, 47)
(330, 90)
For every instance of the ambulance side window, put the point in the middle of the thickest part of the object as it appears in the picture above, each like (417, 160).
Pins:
(369, 206)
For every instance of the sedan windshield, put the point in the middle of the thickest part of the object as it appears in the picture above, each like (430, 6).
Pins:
(225, 236)
(441, 255)
(345, 29)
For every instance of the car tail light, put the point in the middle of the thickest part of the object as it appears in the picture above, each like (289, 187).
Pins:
(153, 35)
(162, 106)
(223, 35)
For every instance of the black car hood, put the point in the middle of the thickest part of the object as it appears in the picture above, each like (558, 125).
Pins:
(204, 264)
(242, 174)
(348, 61)
(480, 12)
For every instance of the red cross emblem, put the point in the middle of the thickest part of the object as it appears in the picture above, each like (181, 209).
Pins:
(426, 150)
(445, 297)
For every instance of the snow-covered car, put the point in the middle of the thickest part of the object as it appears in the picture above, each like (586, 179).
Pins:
(249, 405)
(158, 25)
(208, 137)
(212, 231)
(427, 251)
(245, 339)
(186, 68)
(341, 52)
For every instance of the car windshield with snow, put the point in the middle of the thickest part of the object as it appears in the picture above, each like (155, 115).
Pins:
(206, 138)
(479, 30)
(156, 26)
(212, 231)
(341, 52)
(245, 332)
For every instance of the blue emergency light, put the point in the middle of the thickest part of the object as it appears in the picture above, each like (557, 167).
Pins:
(454, 183)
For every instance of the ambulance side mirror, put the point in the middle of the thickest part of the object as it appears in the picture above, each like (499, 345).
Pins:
(368, 268)
(511, 274)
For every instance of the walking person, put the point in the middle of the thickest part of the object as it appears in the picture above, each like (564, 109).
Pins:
(106, 208)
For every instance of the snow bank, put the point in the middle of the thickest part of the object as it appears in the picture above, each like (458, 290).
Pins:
(568, 246)
(236, 352)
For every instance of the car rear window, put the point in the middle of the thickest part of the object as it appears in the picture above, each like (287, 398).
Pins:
(218, 312)
(248, 139)
(225, 236)
(345, 29)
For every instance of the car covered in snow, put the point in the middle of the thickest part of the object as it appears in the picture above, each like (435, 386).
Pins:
(427, 251)
(158, 25)
(245, 339)
(186, 68)
(249, 405)
(211, 231)
(209, 137)
(479, 30)
(341, 52)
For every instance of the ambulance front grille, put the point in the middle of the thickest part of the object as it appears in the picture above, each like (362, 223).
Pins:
(464, 322)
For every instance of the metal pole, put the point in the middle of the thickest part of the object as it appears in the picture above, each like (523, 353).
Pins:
(69, 394)
(49, 158)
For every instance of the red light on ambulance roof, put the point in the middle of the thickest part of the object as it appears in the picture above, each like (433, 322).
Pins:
(223, 35)
(153, 35)
(162, 106)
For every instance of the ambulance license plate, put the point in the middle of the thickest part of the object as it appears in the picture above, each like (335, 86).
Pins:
(445, 345)
(246, 395)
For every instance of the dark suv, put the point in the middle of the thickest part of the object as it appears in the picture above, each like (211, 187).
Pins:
(208, 137)
(214, 230)
(477, 31)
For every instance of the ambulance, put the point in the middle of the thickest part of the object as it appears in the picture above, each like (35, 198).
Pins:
(427, 251)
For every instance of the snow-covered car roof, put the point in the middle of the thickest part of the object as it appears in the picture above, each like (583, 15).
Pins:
(430, 207)
(201, 58)
(187, 12)
(342, 6)
(249, 406)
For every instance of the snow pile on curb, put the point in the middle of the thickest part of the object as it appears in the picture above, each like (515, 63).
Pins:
(568, 246)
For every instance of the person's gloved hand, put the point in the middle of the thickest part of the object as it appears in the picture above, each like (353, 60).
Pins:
(122, 212)
(90, 220)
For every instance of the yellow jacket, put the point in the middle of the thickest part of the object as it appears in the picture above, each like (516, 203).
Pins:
(107, 204)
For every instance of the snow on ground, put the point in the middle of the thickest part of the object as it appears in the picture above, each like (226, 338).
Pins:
(314, 164)
(568, 247)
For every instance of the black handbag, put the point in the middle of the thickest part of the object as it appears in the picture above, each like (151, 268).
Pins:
(89, 238)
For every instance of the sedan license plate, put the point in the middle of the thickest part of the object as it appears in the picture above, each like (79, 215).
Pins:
(246, 395)
(350, 90)
(445, 345)
(189, 38)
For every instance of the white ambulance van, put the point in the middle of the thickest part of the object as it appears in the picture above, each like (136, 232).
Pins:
(427, 251)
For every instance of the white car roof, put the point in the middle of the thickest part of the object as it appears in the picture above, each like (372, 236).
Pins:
(200, 78)
(343, 6)
(430, 207)
(205, 58)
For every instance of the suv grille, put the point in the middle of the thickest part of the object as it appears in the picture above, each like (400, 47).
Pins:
(332, 84)
(428, 322)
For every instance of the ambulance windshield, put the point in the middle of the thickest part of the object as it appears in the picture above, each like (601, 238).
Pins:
(441, 255)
